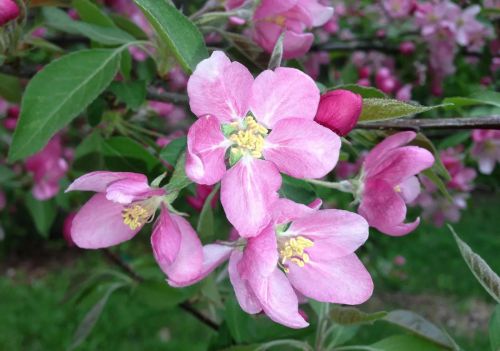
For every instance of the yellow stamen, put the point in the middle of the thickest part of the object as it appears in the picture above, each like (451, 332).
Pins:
(397, 188)
(293, 250)
(250, 139)
(135, 216)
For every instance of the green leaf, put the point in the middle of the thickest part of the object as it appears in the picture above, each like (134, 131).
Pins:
(10, 88)
(129, 27)
(419, 326)
(173, 150)
(404, 343)
(91, 13)
(43, 214)
(495, 329)
(60, 20)
(353, 316)
(481, 270)
(480, 98)
(124, 154)
(92, 316)
(454, 140)
(437, 181)
(277, 54)
(205, 227)
(159, 295)
(75, 80)
(365, 92)
(6, 174)
(298, 190)
(133, 94)
(174, 29)
(179, 179)
(376, 109)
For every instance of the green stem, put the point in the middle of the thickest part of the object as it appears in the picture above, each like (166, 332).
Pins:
(344, 185)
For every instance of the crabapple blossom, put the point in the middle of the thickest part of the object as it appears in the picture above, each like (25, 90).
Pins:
(486, 149)
(339, 110)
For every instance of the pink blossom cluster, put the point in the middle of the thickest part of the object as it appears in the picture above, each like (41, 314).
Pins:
(249, 131)
(486, 149)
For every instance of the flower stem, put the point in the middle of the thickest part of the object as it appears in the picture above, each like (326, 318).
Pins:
(344, 185)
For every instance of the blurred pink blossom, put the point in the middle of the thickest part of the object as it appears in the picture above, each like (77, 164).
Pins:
(486, 149)
(9, 10)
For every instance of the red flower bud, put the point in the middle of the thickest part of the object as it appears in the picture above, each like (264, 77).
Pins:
(339, 110)
(8, 11)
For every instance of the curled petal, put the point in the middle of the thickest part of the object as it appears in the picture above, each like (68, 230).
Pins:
(98, 181)
(248, 191)
(283, 93)
(261, 254)
(302, 148)
(99, 223)
(124, 191)
(206, 150)
(244, 294)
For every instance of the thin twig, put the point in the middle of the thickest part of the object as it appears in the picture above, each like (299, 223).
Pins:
(484, 122)
(165, 96)
(186, 306)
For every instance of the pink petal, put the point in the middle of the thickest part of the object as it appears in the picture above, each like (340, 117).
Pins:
(206, 150)
(283, 93)
(278, 299)
(378, 152)
(99, 180)
(410, 189)
(335, 233)
(124, 191)
(341, 280)
(270, 8)
(296, 45)
(285, 210)
(384, 209)
(244, 294)
(181, 265)
(318, 13)
(248, 191)
(99, 223)
(302, 148)
(220, 88)
(260, 256)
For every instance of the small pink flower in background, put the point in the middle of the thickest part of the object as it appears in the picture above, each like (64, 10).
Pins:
(272, 17)
(124, 203)
(8, 11)
(68, 222)
(398, 8)
(39, 32)
(404, 93)
(302, 253)
(439, 210)
(461, 176)
(314, 61)
(3, 200)
(486, 149)
(267, 125)
(339, 110)
(389, 182)
(48, 167)
(399, 260)
(11, 118)
(345, 169)
(202, 193)
(177, 79)
(407, 47)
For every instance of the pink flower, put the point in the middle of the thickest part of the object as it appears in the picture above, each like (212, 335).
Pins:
(398, 8)
(407, 48)
(202, 193)
(486, 149)
(399, 260)
(302, 252)
(48, 167)
(461, 176)
(10, 121)
(404, 93)
(293, 17)
(267, 125)
(389, 182)
(124, 203)
(8, 11)
(339, 110)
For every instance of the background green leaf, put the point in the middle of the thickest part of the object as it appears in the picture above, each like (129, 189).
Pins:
(376, 109)
(43, 213)
(495, 329)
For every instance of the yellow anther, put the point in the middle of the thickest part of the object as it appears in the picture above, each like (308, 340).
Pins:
(293, 250)
(279, 20)
(135, 216)
(397, 189)
(248, 140)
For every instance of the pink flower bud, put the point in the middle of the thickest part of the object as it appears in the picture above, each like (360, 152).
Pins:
(387, 85)
(407, 48)
(399, 260)
(8, 11)
(365, 82)
(339, 110)
(364, 72)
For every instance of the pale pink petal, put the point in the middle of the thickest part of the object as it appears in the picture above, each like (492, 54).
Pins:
(410, 188)
(318, 13)
(374, 157)
(124, 191)
(206, 150)
(285, 210)
(266, 34)
(220, 88)
(296, 45)
(486, 164)
(384, 209)
(260, 256)
(99, 180)
(181, 265)
(341, 280)
(248, 191)
(244, 294)
(302, 148)
(335, 233)
(270, 8)
(278, 299)
(283, 93)
(99, 223)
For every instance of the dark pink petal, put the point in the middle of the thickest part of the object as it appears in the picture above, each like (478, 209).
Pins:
(341, 280)
(318, 13)
(283, 93)
(177, 248)
(124, 191)
(248, 191)
(206, 150)
(271, 8)
(244, 294)
(335, 233)
(302, 148)
(99, 223)
(377, 154)
(384, 209)
(278, 299)
(296, 45)
(220, 88)
(98, 181)
(260, 256)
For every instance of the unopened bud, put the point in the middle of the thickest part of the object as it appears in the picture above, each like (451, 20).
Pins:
(339, 110)
(8, 11)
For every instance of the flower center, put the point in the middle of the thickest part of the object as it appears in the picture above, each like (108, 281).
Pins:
(137, 214)
(293, 250)
(248, 138)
